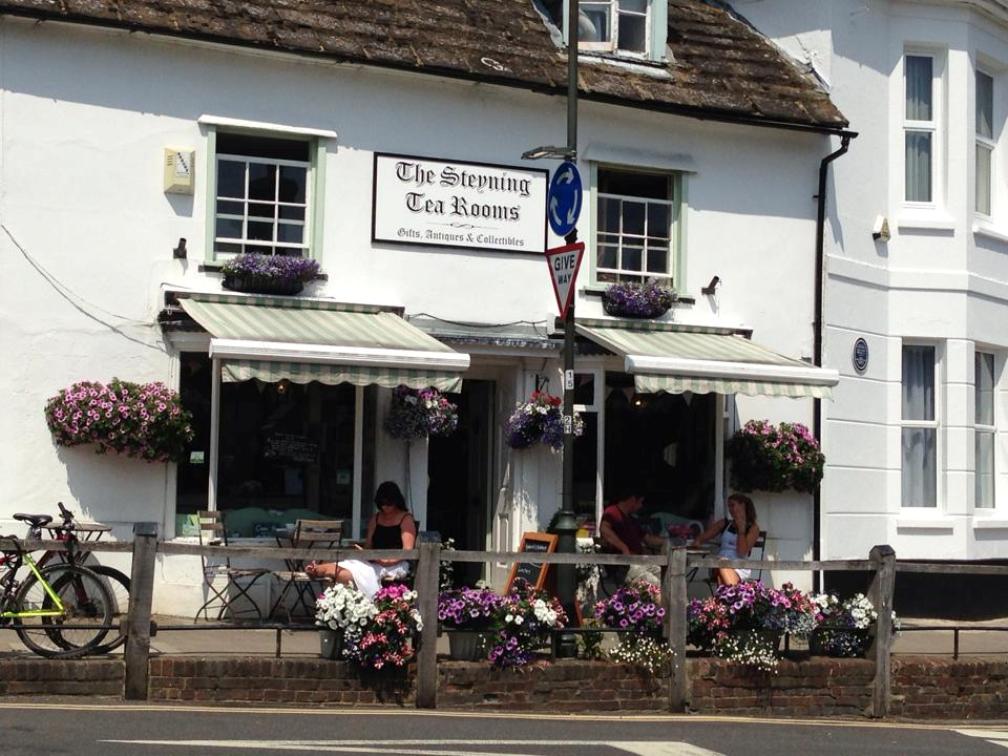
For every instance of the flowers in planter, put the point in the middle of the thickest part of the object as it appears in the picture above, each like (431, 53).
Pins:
(140, 420)
(524, 621)
(648, 654)
(766, 457)
(637, 300)
(539, 420)
(387, 639)
(845, 627)
(633, 608)
(420, 413)
(268, 274)
(468, 608)
(342, 607)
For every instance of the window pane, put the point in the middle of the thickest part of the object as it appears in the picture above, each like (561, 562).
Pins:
(632, 256)
(657, 258)
(261, 209)
(984, 388)
(607, 255)
(229, 249)
(983, 179)
(918, 382)
(658, 220)
(639, 6)
(259, 230)
(262, 181)
(608, 212)
(984, 105)
(919, 469)
(984, 469)
(228, 228)
(918, 166)
(230, 179)
(230, 208)
(289, 233)
(292, 183)
(633, 218)
(919, 77)
(632, 33)
(593, 22)
(292, 212)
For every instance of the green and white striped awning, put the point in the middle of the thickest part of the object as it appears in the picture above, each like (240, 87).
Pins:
(303, 340)
(675, 361)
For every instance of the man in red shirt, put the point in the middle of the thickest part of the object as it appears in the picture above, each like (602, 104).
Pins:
(622, 533)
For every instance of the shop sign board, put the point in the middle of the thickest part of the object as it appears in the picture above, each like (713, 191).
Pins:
(563, 203)
(531, 571)
(564, 264)
(455, 203)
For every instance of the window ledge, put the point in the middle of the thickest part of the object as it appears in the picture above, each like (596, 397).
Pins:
(594, 290)
(990, 231)
(989, 523)
(216, 268)
(925, 523)
(925, 222)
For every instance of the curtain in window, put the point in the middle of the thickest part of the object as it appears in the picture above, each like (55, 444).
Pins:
(984, 105)
(984, 418)
(918, 166)
(919, 77)
(919, 457)
(983, 179)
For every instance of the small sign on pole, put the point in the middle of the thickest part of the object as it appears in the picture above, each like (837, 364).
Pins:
(564, 264)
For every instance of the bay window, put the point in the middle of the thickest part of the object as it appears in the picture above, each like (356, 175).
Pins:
(984, 142)
(920, 128)
(919, 443)
(983, 392)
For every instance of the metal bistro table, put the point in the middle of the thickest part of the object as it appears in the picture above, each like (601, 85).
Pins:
(316, 534)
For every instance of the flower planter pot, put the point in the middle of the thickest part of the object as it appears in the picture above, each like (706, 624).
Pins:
(255, 284)
(467, 646)
(331, 643)
(839, 642)
(613, 308)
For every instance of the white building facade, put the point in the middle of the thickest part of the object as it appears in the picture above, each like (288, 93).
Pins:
(96, 285)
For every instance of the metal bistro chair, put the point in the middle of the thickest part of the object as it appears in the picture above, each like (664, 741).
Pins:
(757, 552)
(308, 534)
(212, 532)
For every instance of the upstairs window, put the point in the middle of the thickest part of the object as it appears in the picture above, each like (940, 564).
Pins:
(262, 195)
(920, 126)
(636, 214)
(614, 26)
(984, 141)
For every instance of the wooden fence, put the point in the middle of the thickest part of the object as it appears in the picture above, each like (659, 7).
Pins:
(881, 563)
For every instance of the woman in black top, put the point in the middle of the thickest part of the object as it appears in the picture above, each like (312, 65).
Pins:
(391, 527)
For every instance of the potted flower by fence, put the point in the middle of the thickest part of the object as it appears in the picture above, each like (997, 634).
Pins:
(420, 413)
(523, 623)
(144, 420)
(342, 614)
(637, 300)
(268, 274)
(387, 640)
(539, 421)
(765, 457)
(470, 613)
(846, 627)
(633, 611)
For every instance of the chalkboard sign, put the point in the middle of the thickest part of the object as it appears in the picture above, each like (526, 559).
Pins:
(533, 572)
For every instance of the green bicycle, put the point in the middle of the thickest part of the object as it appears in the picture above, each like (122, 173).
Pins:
(58, 611)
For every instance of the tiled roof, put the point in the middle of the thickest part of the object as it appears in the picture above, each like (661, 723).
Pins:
(719, 66)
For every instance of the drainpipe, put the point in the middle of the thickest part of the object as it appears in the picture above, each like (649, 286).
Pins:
(817, 329)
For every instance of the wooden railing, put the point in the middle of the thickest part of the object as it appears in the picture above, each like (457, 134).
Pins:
(428, 556)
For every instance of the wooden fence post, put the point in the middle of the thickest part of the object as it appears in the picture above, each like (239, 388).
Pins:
(883, 587)
(427, 586)
(675, 627)
(138, 620)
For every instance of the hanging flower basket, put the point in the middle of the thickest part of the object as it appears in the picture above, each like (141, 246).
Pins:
(539, 421)
(419, 414)
(268, 274)
(765, 457)
(637, 300)
(139, 420)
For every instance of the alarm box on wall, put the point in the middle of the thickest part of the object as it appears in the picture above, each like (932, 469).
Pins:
(178, 171)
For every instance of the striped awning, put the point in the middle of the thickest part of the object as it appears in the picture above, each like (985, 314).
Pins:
(303, 340)
(676, 360)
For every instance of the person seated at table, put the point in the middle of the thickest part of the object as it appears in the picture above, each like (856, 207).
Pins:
(391, 527)
(738, 532)
(623, 534)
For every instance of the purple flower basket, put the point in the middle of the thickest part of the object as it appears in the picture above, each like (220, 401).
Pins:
(636, 300)
(268, 274)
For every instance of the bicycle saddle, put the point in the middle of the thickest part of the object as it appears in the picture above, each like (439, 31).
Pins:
(36, 521)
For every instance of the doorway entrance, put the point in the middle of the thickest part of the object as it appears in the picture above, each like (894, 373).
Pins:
(459, 469)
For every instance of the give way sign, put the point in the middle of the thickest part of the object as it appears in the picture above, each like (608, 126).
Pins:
(564, 263)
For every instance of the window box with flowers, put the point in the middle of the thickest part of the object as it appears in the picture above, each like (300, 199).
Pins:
(765, 457)
(629, 299)
(539, 421)
(145, 420)
(254, 273)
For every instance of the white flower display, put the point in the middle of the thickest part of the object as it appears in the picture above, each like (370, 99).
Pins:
(341, 607)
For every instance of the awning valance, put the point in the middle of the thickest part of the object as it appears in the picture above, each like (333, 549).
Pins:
(307, 340)
(676, 361)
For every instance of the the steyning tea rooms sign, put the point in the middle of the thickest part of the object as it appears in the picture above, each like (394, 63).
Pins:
(452, 203)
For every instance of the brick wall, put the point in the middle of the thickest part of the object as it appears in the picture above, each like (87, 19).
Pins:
(61, 677)
(927, 688)
(813, 687)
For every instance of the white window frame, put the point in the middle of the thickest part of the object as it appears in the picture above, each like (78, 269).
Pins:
(674, 262)
(934, 127)
(991, 430)
(612, 46)
(935, 424)
(985, 143)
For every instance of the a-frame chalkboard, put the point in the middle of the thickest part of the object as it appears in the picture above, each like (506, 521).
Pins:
(533, 572)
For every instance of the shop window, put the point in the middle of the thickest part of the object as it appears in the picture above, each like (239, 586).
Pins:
(920, 127)
(920, 428)
(262, 195)
(285, 449)
(985, 429)
(636, 214)
(984, 142)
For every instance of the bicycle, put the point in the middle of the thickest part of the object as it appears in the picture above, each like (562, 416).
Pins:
(115, 581)
(59, 611)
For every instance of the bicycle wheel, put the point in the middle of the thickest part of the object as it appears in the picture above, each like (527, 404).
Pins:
(119, 586)
(86, 602)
